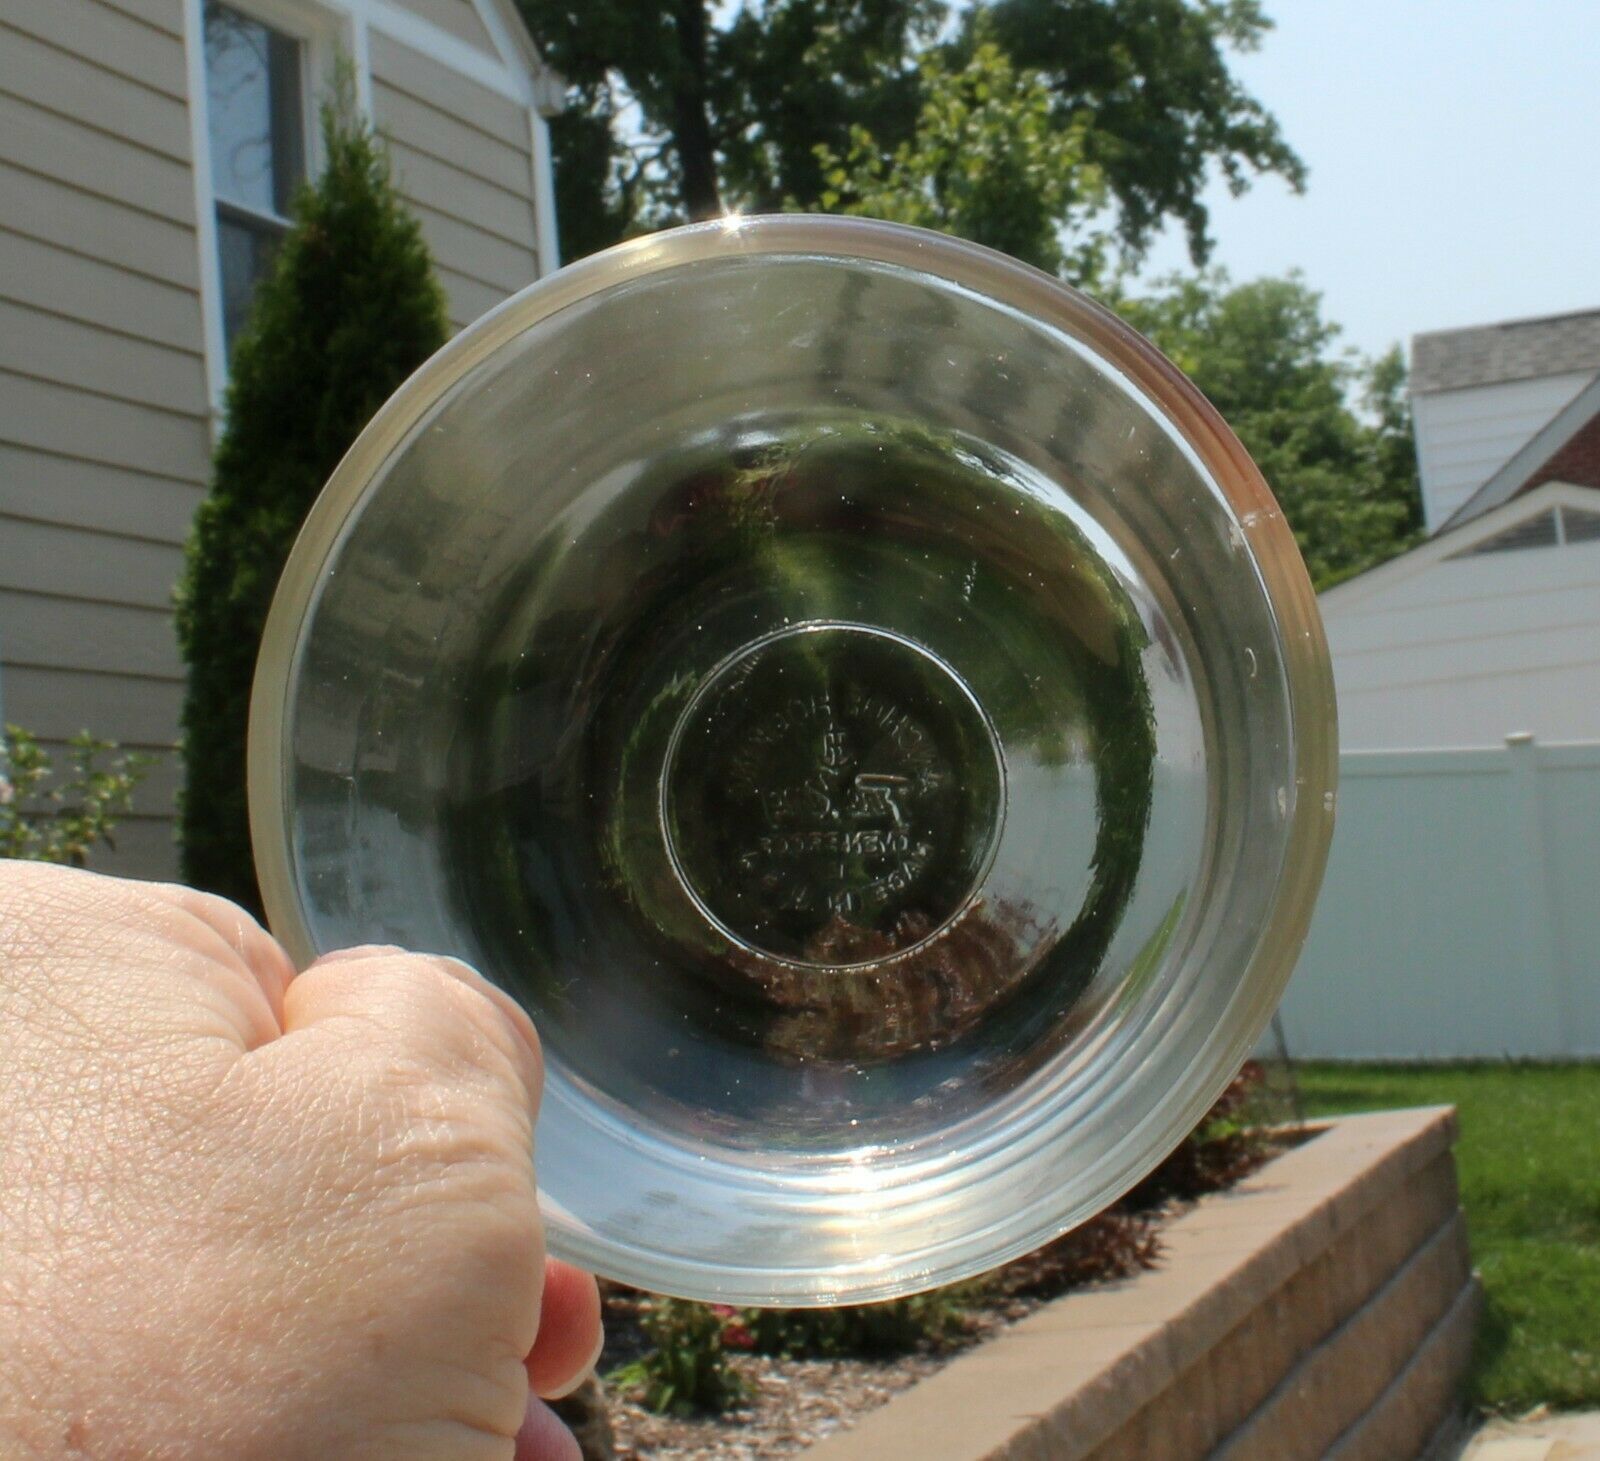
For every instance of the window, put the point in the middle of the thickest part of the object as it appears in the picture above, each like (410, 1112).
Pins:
(1579, 526)
(1553, 528)
(256, 117)
(1533, 532)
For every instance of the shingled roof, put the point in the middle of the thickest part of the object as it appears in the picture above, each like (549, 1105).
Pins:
(1512, 350)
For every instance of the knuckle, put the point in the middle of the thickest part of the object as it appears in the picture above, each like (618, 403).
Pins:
(430, 1015)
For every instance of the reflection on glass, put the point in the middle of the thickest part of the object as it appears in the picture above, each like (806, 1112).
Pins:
(245, 254)
(254, 107)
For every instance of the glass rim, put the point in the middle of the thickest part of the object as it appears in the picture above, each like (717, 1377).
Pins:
(1000, 280)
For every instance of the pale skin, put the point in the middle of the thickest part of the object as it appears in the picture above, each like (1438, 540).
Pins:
(251, 1213)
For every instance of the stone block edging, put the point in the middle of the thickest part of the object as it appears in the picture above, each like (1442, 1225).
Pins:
(1322, 1307)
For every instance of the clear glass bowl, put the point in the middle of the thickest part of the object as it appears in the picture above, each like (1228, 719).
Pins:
(862, 701)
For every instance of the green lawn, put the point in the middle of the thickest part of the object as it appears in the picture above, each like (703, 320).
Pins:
(1529, 1160)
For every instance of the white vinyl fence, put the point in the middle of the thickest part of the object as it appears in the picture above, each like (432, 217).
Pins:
(1460, 916)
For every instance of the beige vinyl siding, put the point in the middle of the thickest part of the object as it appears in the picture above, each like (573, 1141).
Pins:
(40, 343)
(54, 213)
(51, 488)
(69, 86)
(101, 568)
(478, 142)
(498, 212)
(144, 850)
(466, 299)
(138, 712)
(469, 248)
(78, 634)
(430, 81)
(162, 14)
(111, 35)
(65, 422)
(47, 277)
(463, 161)
(104, 418)
(96, 162)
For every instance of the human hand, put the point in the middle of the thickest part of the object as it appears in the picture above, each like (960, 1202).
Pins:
(249, 1214)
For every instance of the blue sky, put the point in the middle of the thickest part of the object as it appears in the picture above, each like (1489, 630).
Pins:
(1454, 153)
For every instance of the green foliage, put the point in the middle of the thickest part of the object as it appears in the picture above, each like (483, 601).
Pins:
(986, 162)
(1529, 1163)
(1149, 80)
(1232, 1140)
(1263, 355)
(349, 311)
(1111, 1245)
(708, 107)
(687, 1369)
(48, 815)
(596, 200)
(1394, 445)
(898, 1326)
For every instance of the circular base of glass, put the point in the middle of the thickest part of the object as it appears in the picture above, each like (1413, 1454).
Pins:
(832, 796)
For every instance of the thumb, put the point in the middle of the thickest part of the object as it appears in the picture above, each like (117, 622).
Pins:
(407, 1088)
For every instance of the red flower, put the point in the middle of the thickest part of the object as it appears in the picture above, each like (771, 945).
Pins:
(736, 1336)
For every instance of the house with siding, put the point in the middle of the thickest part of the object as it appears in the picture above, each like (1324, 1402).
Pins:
(148, 149)
(1458, 918)
(1491, 627)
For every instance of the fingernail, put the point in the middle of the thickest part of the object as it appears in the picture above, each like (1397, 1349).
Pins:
(361, 951)
(586, 1373)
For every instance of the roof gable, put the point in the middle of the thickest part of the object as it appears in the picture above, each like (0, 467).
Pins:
(1457, 542)
(1566, 449)
(493, 29)
(1577, 462)
(510, 31)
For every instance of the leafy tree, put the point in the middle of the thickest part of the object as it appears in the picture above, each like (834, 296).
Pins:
(597, 199)
(1394, 444)
(1151, 78)
(985, 162)
(349, 310)
(708, 107)
(1263, 354)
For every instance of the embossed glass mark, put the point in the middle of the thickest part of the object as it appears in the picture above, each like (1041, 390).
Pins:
(832, 795)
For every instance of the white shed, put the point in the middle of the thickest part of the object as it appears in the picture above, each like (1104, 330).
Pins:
(1458, 918)
(1492, 626)
(1484, 631)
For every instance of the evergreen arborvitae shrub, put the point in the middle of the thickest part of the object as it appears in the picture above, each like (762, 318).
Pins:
(348, 311)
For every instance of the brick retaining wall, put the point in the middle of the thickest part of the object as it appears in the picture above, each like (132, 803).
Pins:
(1323, 1308)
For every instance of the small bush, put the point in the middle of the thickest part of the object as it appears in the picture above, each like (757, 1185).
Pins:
(1231, 1142)
(1113, 1244)
(48, 815)
(687, 1369)
(349, 310)
(898, 1326)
